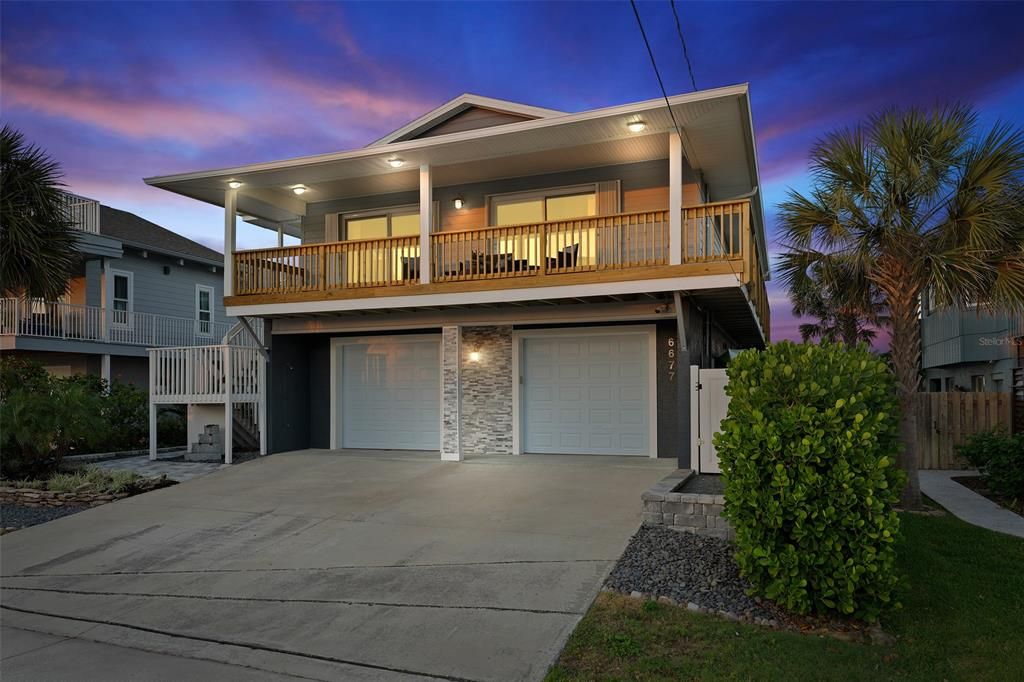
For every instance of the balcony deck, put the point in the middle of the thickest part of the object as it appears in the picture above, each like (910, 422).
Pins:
(69, 322)
(716, 240)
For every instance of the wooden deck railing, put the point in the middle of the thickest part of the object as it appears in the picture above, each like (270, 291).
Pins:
(711, 233)
(621, 241)
(333, 265)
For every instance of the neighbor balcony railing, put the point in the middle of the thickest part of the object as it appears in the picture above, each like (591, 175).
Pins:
(56, 320)
(83, 212)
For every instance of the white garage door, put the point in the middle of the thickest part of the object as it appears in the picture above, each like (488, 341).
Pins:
(390, 395)
(587, 394)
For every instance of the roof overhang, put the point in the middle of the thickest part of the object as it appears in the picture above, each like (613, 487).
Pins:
(718, 141)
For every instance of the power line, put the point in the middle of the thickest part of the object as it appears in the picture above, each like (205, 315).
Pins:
(686, 53)
(650, 53)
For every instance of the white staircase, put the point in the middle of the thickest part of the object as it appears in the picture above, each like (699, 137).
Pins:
(224, 386)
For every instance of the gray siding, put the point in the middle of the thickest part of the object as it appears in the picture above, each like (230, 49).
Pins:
(174, 293)
(644, 187)
(951, 336)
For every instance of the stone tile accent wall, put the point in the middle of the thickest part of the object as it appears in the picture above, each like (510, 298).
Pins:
(691, 512)
(487, 391)
(450, 394)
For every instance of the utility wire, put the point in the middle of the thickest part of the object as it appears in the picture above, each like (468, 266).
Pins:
(650, 53)
(679, 131)
(686, 53)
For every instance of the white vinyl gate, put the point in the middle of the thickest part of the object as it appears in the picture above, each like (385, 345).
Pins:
(708, 407)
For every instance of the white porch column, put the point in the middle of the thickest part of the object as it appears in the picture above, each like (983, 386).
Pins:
(426, 221)
(229, 413)
(675, 199)
(152, 407)
(451, 394)
(230, 214)
(280, 235)
(105, 367)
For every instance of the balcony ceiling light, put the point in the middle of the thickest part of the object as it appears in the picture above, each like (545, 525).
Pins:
(396, 162)
(234, 184)
(637, 126)
(299, 189)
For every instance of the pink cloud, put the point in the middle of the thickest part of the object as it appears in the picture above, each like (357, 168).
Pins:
(49, 92)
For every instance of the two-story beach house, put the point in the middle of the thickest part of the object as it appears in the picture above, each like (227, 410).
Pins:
(137, 285)
(497, 278)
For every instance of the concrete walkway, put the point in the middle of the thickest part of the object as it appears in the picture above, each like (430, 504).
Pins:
(176, 470)
(968, 505)
(329, 566)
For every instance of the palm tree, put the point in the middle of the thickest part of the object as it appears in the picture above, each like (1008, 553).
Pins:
(846, 308)
(37, 240)
(918, 201)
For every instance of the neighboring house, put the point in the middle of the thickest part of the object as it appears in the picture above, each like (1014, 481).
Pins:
(970, 349)
(138, 285)
(496, 278)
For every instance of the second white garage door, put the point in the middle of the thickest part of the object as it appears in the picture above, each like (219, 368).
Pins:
(587, 394)
(390, 394)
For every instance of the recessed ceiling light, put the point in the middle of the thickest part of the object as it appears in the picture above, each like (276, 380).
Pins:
(396, 162)
(234, 184)
(299, 189)
(637, 126)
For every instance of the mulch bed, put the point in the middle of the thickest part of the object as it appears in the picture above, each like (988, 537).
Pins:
(699, 573)
(980, 485)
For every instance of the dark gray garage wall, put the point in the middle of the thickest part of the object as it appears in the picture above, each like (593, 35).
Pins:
(288, 393)
(670, 409)
(319, 349)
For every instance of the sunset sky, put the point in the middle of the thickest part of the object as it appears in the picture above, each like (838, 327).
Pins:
(120, 91)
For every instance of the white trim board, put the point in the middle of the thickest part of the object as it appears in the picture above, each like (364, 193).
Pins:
(640, 286)
(335, 397)
(518, 335)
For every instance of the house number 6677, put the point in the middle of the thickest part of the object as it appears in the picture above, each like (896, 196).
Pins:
(671, 358)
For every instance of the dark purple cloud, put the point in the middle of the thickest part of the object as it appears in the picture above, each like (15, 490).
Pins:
(119, 91)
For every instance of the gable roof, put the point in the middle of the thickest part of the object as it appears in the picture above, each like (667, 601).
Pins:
(139, 232)
(458, 106)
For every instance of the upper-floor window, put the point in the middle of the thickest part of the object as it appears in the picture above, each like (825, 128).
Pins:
(544, 205)
(402, 221)
(204, 310)
(121, 297)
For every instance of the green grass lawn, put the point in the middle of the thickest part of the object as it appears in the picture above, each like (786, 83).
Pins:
(962, 619)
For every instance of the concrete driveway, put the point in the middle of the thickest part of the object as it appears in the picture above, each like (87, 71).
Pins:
(324, 565)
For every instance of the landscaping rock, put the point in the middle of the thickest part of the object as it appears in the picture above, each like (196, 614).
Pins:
(690, 569)
(14, 516)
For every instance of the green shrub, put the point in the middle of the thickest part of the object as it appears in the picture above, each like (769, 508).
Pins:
(1000, 458)
(18, 372)
(41, 427)
(171, 427)
(807, 454)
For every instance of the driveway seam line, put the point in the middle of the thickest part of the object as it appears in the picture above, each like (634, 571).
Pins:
(342, 602)
(343, 567)
(247, 645)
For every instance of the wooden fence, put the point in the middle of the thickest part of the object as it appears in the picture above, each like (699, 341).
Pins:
(945, 420)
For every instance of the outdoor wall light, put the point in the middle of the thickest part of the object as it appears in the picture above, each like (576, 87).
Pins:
(396, 162)
(458, 202)
(637, 126)
(234, 184)
(299, 189)
(474, 356)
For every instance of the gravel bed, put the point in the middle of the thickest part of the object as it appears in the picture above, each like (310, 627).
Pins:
(19, 516)
(692, 570)
(703, 484)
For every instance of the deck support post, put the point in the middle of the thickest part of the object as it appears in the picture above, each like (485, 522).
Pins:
(152, 406)
(426, 221)
(675, 199)
(229, 413)
(280, 236)
(105, 368)
(230, 215)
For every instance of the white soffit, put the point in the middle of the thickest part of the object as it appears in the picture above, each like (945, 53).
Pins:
(715, 123)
